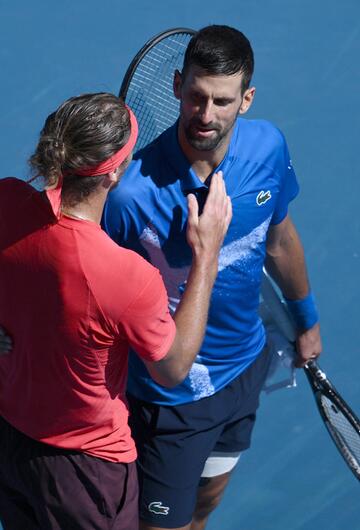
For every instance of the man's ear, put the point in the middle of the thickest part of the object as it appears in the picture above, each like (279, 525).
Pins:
(247, 100)
(110, 179)
(114, 175)
(177, 84)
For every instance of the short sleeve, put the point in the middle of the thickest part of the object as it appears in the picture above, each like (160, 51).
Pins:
(289, 187)
(147, 323)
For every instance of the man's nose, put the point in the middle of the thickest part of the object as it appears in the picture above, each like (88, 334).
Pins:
(206, 112)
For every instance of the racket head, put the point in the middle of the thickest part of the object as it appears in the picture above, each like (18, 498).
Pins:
(147, 86)
(340, 421)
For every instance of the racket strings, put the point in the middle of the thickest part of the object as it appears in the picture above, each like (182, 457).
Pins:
(343, 432)
(150, 93)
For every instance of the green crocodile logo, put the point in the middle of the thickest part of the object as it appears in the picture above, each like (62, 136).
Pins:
(263, 197)
(158, 508)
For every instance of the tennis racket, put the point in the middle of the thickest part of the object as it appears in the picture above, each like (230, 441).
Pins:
(148, 83)
(342, 423)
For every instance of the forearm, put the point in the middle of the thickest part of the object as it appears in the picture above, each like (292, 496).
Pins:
(190, 319)
(285, 262)
(192, 313)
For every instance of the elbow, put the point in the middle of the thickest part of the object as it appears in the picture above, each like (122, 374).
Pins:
(171, 380)
(168, 375)
(168, 383)
(175, 381)
(171, 371)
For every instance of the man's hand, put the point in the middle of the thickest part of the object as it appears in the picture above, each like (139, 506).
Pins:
(308, 346)
(205, 233)
(5, 342)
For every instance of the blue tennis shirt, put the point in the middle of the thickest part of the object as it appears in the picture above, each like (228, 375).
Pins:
(147, 212)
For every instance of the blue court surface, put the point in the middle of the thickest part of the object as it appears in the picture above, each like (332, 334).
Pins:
(308, 83)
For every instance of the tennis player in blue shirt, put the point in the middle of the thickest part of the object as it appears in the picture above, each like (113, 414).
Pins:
(190, 437)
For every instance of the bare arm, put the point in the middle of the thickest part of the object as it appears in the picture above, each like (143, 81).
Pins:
(205, 235)
(285, 262)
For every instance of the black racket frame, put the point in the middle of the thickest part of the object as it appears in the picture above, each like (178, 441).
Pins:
(322, 386)
(143, 51)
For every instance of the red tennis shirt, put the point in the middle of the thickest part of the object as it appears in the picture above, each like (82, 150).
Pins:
(73, 301)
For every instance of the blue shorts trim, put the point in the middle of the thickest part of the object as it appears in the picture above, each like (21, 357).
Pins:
(174, 442)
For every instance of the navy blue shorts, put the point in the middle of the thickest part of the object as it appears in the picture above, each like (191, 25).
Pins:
(174, 443)
(47, 488)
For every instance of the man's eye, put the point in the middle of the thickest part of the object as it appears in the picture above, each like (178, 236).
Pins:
(222, 102)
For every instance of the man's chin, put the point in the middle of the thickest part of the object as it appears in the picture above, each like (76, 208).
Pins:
(204, 144)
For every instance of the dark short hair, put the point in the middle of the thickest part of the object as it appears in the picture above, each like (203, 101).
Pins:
(84, 131)
(221, 50)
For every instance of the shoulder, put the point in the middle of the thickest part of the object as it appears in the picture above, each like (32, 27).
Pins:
(104, 260)
(116, 278)
(130, 264)
(258, 140)
(250, 131)
(14, 186)
(150, 153)
(19, 199)
(116, 275)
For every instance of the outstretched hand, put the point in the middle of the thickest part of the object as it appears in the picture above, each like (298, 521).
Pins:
(206, 232)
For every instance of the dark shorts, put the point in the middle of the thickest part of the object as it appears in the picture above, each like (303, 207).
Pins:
(174, 443)
(43, 487)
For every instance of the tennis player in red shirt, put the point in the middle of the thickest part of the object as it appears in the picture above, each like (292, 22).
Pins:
(74, 301)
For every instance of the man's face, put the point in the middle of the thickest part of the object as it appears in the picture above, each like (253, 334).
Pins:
(209, 106)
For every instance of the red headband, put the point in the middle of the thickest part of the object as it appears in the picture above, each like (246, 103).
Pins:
(103, 168)
(118, 158)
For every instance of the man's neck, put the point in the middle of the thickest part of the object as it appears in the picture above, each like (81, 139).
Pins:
(204, 168)
(90, 209)
(203, 162)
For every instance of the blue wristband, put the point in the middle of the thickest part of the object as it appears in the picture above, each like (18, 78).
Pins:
(303, 311)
